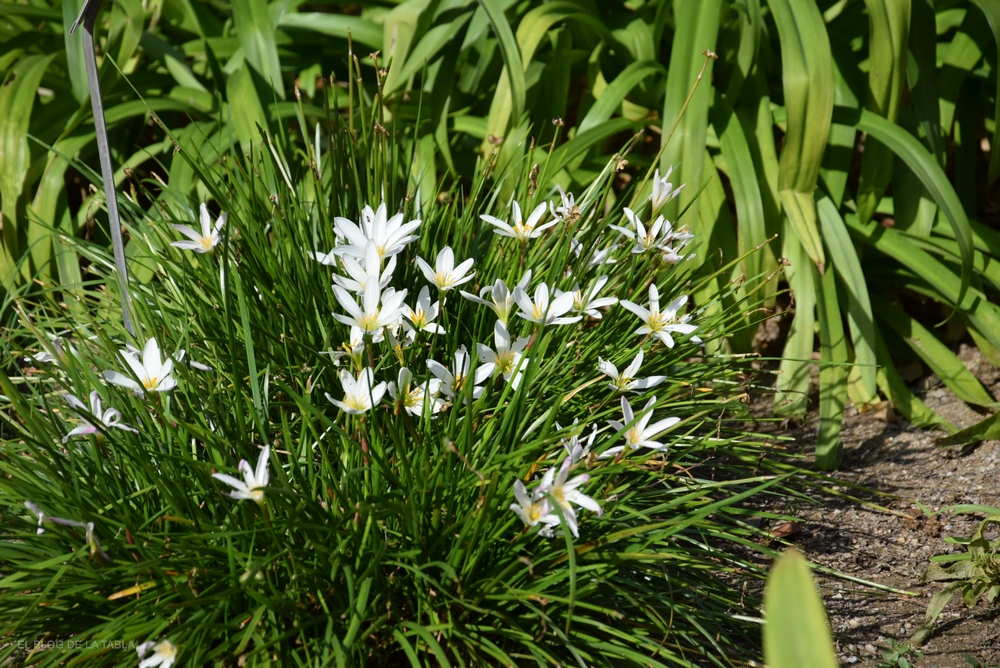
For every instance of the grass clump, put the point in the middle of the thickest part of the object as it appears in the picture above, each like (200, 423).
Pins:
(358, 427)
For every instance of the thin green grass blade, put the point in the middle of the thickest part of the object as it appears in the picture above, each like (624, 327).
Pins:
(807, 79)
(888, 40)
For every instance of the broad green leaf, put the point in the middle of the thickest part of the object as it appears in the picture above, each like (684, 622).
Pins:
(935, 354)
(859, 310)
(612, 96)
(960, 57)
(17, 99)
(836, 165)
(751, 225)
(245, 110)
(696, 30)
(991, 8)
(256, 33)
(401, 28)
(751, 31)
(888, 40)
(796, 631)
(430, 44)
(922, 77)
(533, 28)
(902, 398)
(807, 79)
(361, 30)
(796, 357)
(832, 373)
(908, 148)
(513, 63)
(74, 51)
(984, 430)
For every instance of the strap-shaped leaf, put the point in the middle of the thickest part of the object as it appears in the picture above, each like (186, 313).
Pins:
(513, 63)
(807, 79)
(796, 357)
(991, 8)
(16, 102)
(696, 30)
(934, 353)
(832, 373)
(256, 33)
(888, 40)
(859, 309)
(613, 94)
(909, 149)
(796, 631)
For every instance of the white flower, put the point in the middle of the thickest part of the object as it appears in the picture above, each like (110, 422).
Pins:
(663, 189)
(389, 236)
(522, 231)
(92, 542)
(662, 324)
(179, 358)
(507, 358)
(152, 371)
(532, 509)
(540, 310)
(453, 380)
(370, 318)
(164, 654)
(360, 393)
(108, 418)
(639, 434)
(626, 381)
(659, 236)
(445, 275)
(413, 398)
(207, 239)
(575, 450)
(564, 493)
(598, 257)
(423, 313)
(501, 300)
(588, 303)
(253, 483)
(360, 274)
(568, 211)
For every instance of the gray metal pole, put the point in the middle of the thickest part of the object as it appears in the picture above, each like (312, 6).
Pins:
(88, 16)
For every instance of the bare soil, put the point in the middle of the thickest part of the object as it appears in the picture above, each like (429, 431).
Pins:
(894, 548)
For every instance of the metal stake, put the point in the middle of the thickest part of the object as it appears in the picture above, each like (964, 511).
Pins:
(88, 16)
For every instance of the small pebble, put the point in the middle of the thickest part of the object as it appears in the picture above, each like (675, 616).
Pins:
(870, 648)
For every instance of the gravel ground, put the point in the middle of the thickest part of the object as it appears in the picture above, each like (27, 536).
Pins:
(894, 458)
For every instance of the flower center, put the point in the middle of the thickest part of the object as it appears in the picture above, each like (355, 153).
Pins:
(207, 242)
(505, 361)
(443, 279)
(459, 382)
(150, 383)
(535, 513)
(369, 321)
(657, 321)
(633, 436)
